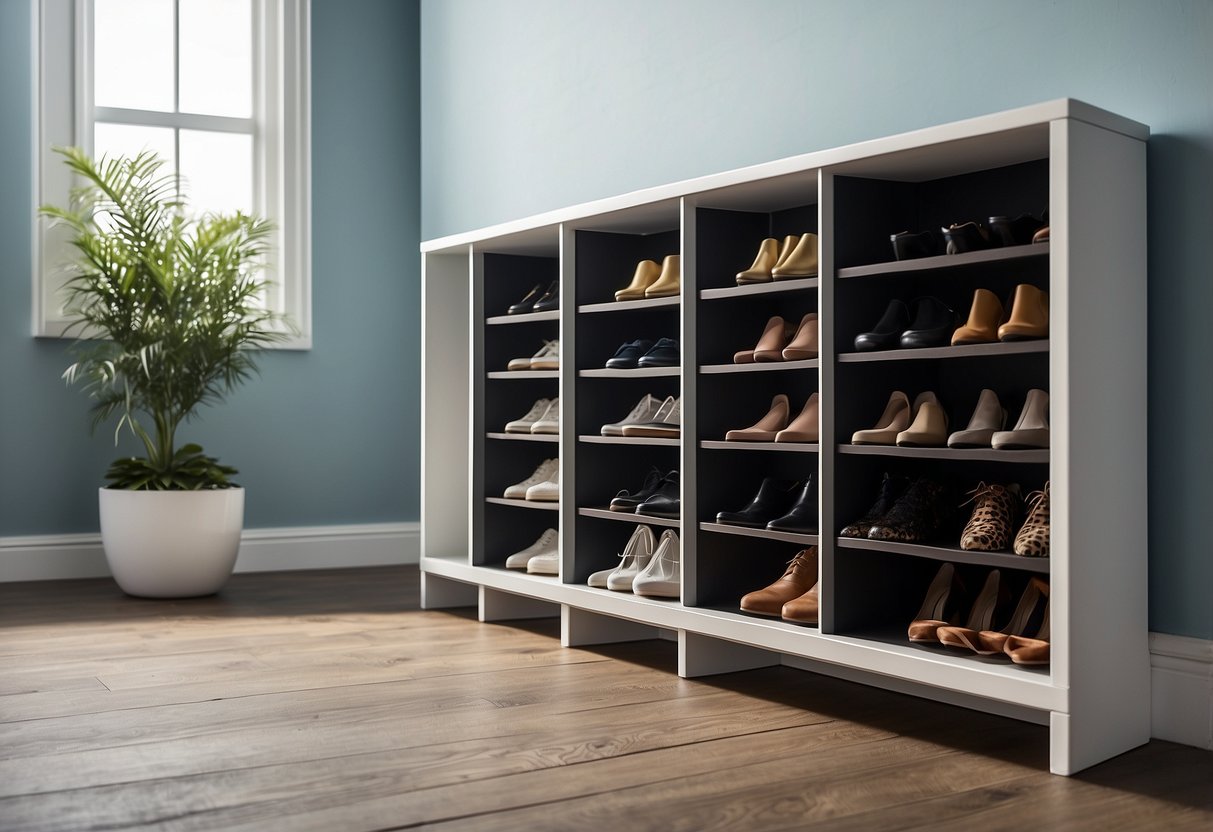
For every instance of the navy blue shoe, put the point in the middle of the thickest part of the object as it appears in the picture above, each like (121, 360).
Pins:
(628, 354)
(665, 353)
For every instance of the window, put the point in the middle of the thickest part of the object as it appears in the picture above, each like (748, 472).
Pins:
(219, 88)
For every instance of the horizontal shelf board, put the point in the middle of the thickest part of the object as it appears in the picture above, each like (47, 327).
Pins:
(639, 372)
(526, 437)
(760, 366)
(947, 261)
(934, 353)
(792, 447)
(1034, 457)
(629, 305)
(628, 440)
(1002, 560)
(766, 534)
(895, 641)
(524, 318)
(521, 374)
(878, 653)
(628, 517)
(542, 506)
(775, 287)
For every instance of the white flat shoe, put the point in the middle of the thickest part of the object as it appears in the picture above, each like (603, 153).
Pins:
(523, 424)
(549, 422)
(546, 470)
(644, 411)
(547, 542)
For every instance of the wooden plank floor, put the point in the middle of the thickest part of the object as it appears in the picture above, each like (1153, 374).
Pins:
(328, 701)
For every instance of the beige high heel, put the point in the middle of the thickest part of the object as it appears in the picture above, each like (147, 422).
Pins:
(894, 420)
(1032, 428)
(801, 262)
(930, 426)
(992, 597)
(766, 428)
(760, 272)
(774, 335)
(804, 344)
(645, 276)
(990, 642)
(806, 427)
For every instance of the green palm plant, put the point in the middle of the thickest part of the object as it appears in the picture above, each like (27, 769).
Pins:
(168, 312)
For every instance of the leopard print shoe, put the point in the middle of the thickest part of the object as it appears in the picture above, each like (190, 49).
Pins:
(891, 488)
(1033, 538)
(996, 508)
(920, 515)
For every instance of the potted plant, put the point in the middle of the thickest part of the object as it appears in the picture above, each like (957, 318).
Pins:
(169, 315)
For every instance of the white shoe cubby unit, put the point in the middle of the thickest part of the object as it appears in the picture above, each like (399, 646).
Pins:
(1085, 165)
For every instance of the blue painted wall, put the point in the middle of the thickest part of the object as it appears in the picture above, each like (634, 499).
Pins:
(327, 436)
(531, 106)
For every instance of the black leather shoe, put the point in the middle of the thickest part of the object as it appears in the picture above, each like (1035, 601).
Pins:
(665, 353)
(527, 302)
(933, 325)
(550, 299)
(885, 335)
(628, 501)
(968, 236)
(909, 246)
(666, 501)
(773, 499)
(1005, 231)
(802, 516)
(628, 354)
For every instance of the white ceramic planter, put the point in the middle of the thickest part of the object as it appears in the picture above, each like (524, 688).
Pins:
(171, 544)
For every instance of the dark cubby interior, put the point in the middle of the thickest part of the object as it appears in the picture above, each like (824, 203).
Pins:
(508, 278)
(728, 566)
(868, 211)
(863, 389)
(727, 241)
(606, 261)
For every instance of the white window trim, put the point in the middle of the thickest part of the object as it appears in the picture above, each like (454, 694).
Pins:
(282, 90)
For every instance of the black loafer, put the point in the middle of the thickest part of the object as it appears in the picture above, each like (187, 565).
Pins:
(910, 246)
(527, 302)
(666, 502)
(773, 499)
(964, 237)
(802, 516)
(628, 501)
(665, 353)
(933, 325)
(628, 354)
(1005, 231)
(885, 335)
(550, 299)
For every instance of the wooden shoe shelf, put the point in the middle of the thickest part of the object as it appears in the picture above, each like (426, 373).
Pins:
(1087, 166)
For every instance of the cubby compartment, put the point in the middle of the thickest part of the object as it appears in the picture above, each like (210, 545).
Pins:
(603, 470)
(867, 212)
(738, 401)
(728, 482)
(600, 336)
(728, 241)
(729, 326)
(729, 566)
(509, 278)
(606, 262)
(600, 542)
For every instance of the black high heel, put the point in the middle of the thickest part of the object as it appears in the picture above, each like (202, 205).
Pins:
(550, 299)
(523, 306)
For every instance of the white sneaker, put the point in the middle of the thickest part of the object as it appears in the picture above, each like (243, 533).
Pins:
(549, 422)
(636, 556)
(524, 423)
(548, 358)
(667, 422)
(644, 411)
(547, 491)
(549, 541)
(546, 470)
(662, 577)
(547, 563)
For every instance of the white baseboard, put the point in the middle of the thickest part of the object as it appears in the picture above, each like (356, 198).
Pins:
(1181, 689)
(51, 557)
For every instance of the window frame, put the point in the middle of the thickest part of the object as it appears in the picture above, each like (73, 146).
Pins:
(281, 129)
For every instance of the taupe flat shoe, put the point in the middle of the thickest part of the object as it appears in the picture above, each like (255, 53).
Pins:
(1032, 428)
(988, 418)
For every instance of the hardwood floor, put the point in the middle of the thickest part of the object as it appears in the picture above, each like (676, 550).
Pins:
(329, 701)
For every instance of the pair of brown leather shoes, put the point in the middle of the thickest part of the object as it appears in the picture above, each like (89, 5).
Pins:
(653, 281)
(794, 596)
(783, 341)
(1028, 318)
(797, 257)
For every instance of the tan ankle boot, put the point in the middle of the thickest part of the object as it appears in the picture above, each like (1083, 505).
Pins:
(669, 283)
(1029, 315)
(760, 272)
(646, 275)
(985, 315)
(802, 262)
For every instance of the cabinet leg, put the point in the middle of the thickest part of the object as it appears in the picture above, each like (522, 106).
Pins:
(705, 656)
(506, 606)
(439, 593)
(579, 628)
(1079, 742)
